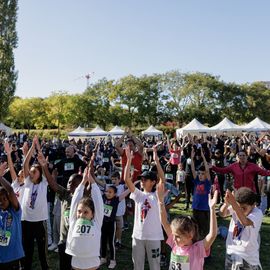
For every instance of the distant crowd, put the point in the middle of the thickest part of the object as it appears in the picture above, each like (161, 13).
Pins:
(74, 197)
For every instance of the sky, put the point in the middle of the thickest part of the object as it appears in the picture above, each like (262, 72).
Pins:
(62, 41)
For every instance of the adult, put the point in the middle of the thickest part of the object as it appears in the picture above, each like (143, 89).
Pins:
(242, 171)
(69, 165)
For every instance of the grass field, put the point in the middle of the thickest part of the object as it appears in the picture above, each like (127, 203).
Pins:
(123, 256)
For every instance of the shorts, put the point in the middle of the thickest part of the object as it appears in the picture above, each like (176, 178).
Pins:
(85, 262)
(232, 263)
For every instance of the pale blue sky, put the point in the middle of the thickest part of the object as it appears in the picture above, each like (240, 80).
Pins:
(61, 40)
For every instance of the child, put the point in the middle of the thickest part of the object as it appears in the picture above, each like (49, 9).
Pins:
(187, 251)
(11, 249)
(111, 202)
(242, 246)
(202, 187)
(180, 177)
(147, 231)
(86, 215)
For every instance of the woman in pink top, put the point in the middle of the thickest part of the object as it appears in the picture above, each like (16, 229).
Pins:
(187, 253)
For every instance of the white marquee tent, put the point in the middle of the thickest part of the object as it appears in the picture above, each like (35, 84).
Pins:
(226, 126)
(97, 132)
(256, 125)
(193, 128)
(116, 131)
(77, 133)
(6, 129)
(152, 131)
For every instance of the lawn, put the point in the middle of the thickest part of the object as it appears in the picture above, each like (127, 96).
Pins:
(123, 256)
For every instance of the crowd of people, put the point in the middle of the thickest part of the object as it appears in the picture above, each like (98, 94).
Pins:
(75, 198)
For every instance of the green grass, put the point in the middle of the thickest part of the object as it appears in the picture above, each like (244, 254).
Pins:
(124, 261)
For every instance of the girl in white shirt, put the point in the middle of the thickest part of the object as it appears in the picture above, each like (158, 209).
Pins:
(86, 216)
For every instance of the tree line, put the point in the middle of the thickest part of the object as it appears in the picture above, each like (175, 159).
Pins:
(141, 101)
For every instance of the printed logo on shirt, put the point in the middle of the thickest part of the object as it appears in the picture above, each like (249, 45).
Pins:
(107, 210)
(69, 166)
(144, 210)
(33, 196)
(238, 230)
(200, 189)
(179, 262)
(5, 228)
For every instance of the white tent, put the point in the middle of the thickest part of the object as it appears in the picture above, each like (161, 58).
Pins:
(194, 128)
(79, 131)
(226, 126)
(152, 131)
(97, 132)
(116, 131)
(6, 129)
(256, 125)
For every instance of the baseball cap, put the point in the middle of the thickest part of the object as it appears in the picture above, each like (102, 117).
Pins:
(149, 175)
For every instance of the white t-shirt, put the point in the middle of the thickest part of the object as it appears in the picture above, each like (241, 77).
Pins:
(243, 241)
(34, 202)
(147, 224)
(83, 238)
(18, 190)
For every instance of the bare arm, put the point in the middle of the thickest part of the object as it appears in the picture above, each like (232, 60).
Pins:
(127, 176)
(26, 166)
(6, 185)
(168, 143)
(206, 166)
(162, 209)
(211, 236)
(118, 144)
(10, 162)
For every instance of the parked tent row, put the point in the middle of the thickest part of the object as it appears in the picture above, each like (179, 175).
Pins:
(225, 126)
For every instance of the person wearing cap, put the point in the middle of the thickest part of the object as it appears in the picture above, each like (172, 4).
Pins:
(147, 231)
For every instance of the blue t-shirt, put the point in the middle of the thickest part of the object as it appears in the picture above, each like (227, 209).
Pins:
(11, 248)
(200, 195)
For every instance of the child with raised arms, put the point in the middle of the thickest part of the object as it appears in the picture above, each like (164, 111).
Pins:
(86, 216)
(187, 252)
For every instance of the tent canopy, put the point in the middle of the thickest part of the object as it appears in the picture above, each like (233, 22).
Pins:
(226, 125)
(116, 131)
(152, 131)
(256, 125)
(97, 132)
(194, 127)
(79, 131)
(6, 129)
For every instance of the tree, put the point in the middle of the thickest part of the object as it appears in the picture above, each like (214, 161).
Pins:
(8, 42)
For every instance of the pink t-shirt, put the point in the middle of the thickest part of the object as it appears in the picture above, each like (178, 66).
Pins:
(175, 157)
(187, 258)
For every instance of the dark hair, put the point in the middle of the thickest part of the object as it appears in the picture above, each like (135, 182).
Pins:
(186, 224)
(202, 168)
(88, 202)
(114, 188)
(3, 191)
(76, 177)
(245, 195)
(115, 174)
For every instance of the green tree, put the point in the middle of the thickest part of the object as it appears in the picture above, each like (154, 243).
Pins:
(8, 42)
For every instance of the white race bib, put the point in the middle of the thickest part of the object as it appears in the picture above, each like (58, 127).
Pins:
(107, 210)
(82, 228)
(69, 166)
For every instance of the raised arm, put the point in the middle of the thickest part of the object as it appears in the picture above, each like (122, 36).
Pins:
(127, 176)
(162, 210)
(194, 174)
(10, 162)
(118, 145)
(6, 185)
(168, 143)
(159, 168)
(138, 143)
(211, 236)
(26, 166)
(205, 165)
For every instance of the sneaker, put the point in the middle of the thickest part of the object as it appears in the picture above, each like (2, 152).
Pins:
(112, 264)
(103, 261)
(52, 247)
(56, 250)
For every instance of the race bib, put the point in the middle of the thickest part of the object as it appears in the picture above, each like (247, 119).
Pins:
(5, 238)
(174, 155)
(69, 166)
(107, 210)
(169, 176)
(82, 228)
(145, 167)
(179, 262)
(105, 159)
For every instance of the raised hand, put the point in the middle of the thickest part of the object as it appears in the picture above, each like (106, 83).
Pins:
(41, 159)
(7, 148)
(155, 155)
(129, 153)
(212, 201)
(3, 167)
